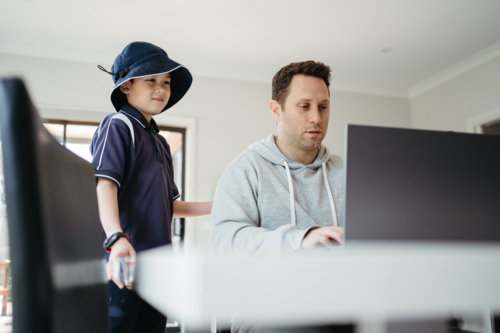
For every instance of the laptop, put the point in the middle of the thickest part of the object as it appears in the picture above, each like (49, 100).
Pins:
(407, 184)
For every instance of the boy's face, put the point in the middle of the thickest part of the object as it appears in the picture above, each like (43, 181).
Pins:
(148, 94)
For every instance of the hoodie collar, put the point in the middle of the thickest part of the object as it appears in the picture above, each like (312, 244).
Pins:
(138, 117)
(268, 150)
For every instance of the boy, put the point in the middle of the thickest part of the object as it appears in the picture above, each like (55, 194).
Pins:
(133, 167)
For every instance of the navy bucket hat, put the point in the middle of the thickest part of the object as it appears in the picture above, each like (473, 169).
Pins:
(140, 59)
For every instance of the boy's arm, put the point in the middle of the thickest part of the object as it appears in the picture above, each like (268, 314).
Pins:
(190, 209)
(107, 199)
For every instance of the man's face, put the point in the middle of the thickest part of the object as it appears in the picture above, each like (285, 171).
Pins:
(148, 94)
(303, 119)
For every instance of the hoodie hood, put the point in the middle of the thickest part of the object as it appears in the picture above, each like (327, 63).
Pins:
(268, 150)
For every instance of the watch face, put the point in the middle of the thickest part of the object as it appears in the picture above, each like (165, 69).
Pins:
(109, 241)
(112, 239)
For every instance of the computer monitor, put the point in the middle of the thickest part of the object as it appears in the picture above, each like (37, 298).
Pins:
(58, 267)
(406, 184)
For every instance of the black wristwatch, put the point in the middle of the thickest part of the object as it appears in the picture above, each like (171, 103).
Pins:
(108, 243)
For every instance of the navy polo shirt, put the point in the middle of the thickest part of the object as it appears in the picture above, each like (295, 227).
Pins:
(128, 150)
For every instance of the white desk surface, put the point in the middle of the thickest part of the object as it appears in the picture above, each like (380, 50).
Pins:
(375, 280)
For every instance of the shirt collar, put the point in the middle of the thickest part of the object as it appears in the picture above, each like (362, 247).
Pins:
(137, 116)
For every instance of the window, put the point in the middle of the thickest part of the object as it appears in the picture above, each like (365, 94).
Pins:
(176, 140)
(5, 281)
(76, 136)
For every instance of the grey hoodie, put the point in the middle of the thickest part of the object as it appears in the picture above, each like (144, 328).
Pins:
(253, 210)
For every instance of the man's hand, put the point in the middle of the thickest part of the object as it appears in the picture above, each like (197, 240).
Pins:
(121, 248)
(326, 236)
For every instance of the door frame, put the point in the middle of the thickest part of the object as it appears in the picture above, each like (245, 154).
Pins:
(474, 124)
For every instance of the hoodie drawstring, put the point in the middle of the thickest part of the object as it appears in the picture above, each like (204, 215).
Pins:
(292, 196)
(330, 196)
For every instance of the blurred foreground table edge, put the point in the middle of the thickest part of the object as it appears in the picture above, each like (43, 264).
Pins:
(366, 283)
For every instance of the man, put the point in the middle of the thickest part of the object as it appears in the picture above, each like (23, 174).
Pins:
(284, 193)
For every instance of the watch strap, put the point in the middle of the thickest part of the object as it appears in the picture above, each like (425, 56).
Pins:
(111, 240)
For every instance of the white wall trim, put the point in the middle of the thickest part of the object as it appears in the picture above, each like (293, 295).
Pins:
(48, 52)
(86, 57)
(72, 112)
(372, 91)
(455, 70)
(73, 108)
(474, 124)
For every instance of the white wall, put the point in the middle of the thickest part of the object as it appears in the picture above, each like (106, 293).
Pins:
(229, 114)
(360, 109)
(448, 106)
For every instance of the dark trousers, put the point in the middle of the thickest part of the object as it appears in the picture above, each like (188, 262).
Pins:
(131, 314)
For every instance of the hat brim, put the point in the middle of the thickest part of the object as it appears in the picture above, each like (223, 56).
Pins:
(180, 84)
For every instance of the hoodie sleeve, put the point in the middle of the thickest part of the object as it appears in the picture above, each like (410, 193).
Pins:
(235, 222)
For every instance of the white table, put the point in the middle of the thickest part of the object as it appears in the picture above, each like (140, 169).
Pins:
(365, 283)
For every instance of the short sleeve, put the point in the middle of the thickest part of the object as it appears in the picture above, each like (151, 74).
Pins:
(176, 195)
(111, 148)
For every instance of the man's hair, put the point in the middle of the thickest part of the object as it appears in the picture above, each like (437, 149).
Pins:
(282, 79)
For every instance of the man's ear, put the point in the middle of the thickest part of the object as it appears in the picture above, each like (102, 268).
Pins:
(125, 87)
(275, 110)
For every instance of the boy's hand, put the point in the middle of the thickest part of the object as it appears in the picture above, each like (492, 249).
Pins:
(122, 248)
(326, 236)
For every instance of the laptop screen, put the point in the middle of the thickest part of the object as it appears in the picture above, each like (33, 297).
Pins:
(404, 184)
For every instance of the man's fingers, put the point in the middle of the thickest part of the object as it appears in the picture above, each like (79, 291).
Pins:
(337, 237)
(336, 234)
(325, 236)
(324, 240)
(330, 237)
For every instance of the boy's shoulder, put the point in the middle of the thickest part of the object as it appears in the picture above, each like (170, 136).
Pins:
(122, 116)
(114, 128)
(119, 119)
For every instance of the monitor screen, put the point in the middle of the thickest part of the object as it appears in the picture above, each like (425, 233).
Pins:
(405, 184)
(57, 259)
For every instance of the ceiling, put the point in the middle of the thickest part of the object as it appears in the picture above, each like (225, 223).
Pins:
(381, 47)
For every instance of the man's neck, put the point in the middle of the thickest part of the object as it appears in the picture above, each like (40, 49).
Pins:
(302, 156)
